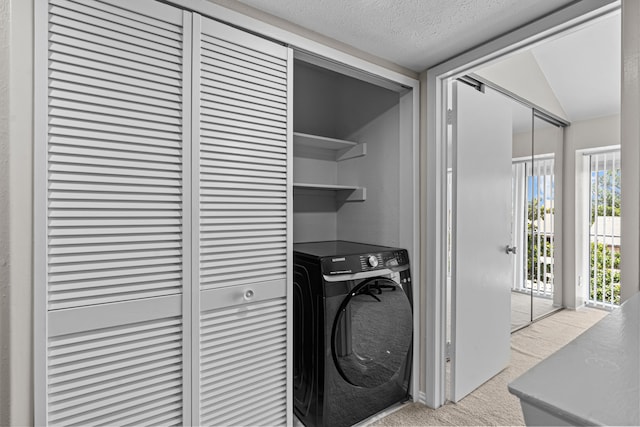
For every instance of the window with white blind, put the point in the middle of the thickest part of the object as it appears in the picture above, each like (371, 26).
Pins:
(534, 226)
(604, 229)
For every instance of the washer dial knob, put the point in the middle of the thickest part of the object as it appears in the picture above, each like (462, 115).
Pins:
(372, 261)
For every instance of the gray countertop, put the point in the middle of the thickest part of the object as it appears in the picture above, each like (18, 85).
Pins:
(595, 379)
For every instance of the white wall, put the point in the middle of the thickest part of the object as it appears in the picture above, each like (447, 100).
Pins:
(630, 150)
(545, 142)
(5, 331)
(521, 74)
(16, 194)
(589, 134)
(376, 220)
(371, 115)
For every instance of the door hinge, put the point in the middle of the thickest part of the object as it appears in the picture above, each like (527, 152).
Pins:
(449, 116)
(447, 351)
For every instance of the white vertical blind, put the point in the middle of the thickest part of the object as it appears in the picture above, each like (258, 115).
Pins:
(604, 229)
(241, 138)
(117, 213)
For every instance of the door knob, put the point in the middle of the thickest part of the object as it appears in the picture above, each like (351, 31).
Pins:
(511, 249)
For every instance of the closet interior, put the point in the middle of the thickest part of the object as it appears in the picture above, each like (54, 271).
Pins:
(346, 164)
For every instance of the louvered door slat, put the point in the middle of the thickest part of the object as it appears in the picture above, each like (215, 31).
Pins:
(152, 375)
(79, 362)
(111, 29)
(247, 48)
(225, 139)
(132, 78)
(170, 118)
(117, 188)
(131, 15)
(121, 245)
(231, 88)
(243, 60)
(69, 55)
(116, 222)
(105, 188)
(242, 148)
(240, 105)
(101, 165)
(68, 89)
(258, 73)
(220, 68)
(245, 144)
(72, 54)
(138, 147)
(229, 336)
(243, 131)
(211, 95)
(240, 416)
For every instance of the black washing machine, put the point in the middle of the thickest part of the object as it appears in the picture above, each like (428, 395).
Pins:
(353, 331)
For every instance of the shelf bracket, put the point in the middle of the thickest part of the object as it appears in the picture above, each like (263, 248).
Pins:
(356, 195)
(358, 150)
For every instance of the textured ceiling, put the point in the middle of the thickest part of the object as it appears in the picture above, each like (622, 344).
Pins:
(415, 34)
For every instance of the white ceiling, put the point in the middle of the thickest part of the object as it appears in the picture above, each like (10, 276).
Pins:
(415, 34)
(582, 68)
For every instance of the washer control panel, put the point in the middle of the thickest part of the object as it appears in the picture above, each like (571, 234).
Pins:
(350, 264)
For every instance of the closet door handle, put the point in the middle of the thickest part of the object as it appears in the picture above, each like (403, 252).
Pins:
(511, 250)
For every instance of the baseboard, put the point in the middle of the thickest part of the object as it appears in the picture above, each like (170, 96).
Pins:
(390, 410)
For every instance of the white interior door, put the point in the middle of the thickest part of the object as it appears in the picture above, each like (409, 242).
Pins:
(482, 269)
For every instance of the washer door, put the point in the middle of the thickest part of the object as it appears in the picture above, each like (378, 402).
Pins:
(372, 333)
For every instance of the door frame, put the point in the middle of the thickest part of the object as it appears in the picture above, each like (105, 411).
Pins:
(434, 158)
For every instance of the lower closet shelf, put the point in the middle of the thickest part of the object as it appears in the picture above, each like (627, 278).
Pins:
(347, 193)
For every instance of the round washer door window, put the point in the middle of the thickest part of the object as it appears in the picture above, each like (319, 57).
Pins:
(372, 333)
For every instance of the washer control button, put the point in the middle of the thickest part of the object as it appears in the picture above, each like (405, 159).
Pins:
(372, 261)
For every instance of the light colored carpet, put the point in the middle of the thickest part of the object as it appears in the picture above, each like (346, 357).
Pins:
(492, 404)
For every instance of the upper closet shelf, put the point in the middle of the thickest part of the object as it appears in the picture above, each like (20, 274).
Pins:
(343, 149)
(346, 193)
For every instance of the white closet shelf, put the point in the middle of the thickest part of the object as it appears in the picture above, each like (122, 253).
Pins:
(322, 141)
(344, 149)
(349, 193)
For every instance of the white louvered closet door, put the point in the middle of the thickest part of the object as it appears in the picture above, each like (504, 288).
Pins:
(241, 133)
(113, 263)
